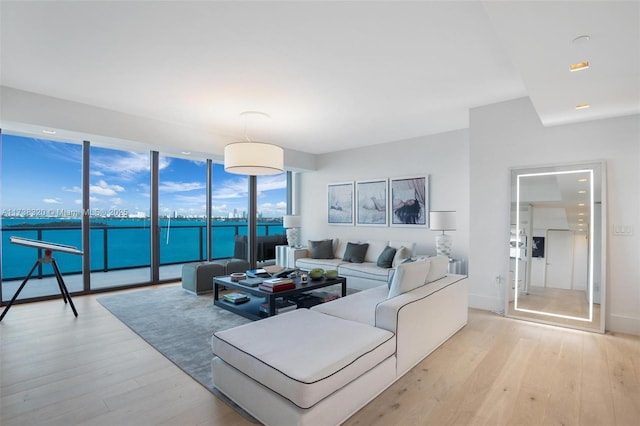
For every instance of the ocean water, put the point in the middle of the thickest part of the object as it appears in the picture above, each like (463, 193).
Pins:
(119, 243)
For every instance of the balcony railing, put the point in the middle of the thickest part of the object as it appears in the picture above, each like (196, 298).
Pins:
(121, 247)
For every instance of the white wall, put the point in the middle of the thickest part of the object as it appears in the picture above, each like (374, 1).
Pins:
(444, 157)
(509, 134)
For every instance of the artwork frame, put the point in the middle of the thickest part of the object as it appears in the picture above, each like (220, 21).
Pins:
(537, 248)
(407, 192)
(340, 200)
(372, 200)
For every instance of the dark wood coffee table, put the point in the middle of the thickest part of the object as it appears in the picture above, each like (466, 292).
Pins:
(251, 309)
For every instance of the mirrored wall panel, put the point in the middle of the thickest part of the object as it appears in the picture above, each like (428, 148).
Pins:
(556, 245)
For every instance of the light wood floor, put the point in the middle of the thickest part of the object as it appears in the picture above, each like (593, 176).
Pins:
(59, 370)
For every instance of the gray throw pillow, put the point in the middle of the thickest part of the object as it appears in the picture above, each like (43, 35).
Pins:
(355, 253)
(386, 257)
(322, 249)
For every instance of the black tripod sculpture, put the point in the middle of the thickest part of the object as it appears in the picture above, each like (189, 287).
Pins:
(48, 248)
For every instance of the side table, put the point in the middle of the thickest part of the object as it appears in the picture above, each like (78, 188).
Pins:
(286, 256)
(456, 266)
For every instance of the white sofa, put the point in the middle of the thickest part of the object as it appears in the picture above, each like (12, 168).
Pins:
(319, 366)
(365, 275)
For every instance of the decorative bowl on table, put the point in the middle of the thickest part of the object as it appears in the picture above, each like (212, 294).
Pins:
(316, 273)
(331, 274)
(237, 276)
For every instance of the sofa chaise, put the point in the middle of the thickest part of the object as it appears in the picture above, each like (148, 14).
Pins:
(367, 269)
(319, 366)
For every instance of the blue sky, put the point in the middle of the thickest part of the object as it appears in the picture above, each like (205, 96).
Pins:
(45, 176)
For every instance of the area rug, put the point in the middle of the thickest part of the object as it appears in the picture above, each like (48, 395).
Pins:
(179, 325)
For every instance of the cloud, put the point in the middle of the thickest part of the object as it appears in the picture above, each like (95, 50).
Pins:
(271, 182)
(124, 165)
(103, 188)
(169, 186)
(189, 199)
(231, 188)
(75, 189)
(96, 173)
(273, 210)
(51, 201)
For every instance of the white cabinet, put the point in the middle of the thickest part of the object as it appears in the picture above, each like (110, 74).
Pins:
(286, 256)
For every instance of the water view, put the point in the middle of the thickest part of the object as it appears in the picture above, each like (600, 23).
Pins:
(121, 243)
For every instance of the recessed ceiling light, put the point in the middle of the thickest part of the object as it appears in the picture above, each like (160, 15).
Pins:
(581, 204)
(582, 192)
(580, 214)
(582, 106)
(580, 220)
(186, 152)
(579, 66)
(582, 180)
(49, 132)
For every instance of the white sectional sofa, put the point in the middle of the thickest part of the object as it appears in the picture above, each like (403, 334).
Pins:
(364, 275)
(319, 366)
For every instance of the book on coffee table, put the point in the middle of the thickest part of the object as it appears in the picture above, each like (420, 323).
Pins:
(277, 284)
(236, 298)
(258, 273)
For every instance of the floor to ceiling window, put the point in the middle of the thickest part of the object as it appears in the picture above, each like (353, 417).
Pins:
(182, 192)
(229, 207)
(271, 206)
(40, 190)
(119, 190)
(43, 191)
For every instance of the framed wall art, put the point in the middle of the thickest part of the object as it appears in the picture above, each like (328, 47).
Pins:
(371, 202)
(340, 203)
(537, 250)
(409, 201)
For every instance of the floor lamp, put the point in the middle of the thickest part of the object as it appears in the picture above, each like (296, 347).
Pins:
(443, 221)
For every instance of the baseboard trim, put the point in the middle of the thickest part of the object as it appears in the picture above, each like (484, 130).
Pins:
(623, 324)
(485, 303)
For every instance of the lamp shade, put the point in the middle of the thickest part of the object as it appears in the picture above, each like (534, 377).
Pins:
(291, 222)
(442, 220)
(253, 158)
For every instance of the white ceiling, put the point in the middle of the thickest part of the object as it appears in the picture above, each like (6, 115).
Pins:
(332, 75)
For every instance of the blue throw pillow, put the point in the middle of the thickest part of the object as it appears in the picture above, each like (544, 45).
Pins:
(386, 257)
(355, 253)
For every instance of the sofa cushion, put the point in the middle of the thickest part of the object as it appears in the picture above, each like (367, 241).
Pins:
(374, 250)
(438, 269)
(291, 354)
(365, 270)
(402, 253)
(307, 263)
(360, 306)
(408, 276)
(322, 249)
(385, 260)
(387, 312)
(355, 252)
